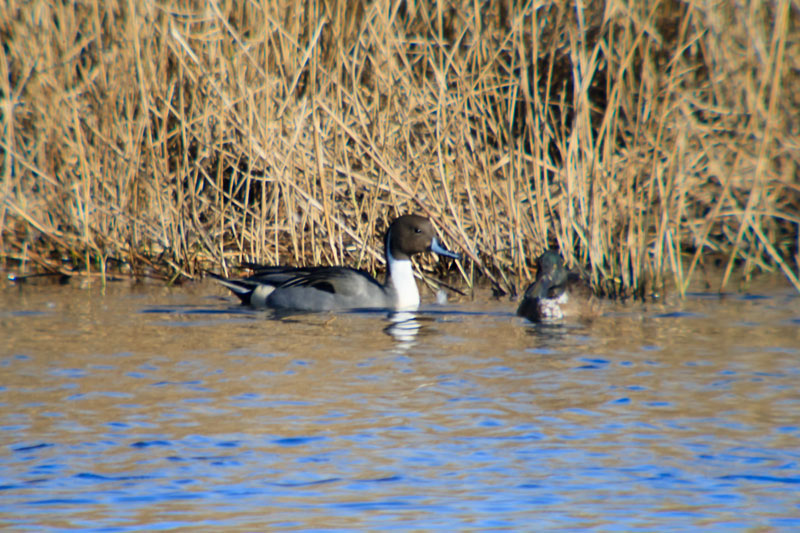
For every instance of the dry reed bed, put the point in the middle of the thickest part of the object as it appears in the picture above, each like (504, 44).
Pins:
(636, 137)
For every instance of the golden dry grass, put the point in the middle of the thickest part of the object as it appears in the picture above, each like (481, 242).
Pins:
(640, 138)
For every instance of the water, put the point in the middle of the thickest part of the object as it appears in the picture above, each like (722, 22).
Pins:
(147, 408)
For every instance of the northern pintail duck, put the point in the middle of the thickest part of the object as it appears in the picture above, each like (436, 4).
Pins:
(556, 293)
(338, 287)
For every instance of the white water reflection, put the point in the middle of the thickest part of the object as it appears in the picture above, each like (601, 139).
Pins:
(404, 327)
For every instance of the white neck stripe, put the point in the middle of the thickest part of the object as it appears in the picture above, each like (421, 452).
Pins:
(401, 277)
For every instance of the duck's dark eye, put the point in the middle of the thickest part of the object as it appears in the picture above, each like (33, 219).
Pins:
(417, 230)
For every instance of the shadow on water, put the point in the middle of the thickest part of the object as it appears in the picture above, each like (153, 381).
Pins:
(151, 408)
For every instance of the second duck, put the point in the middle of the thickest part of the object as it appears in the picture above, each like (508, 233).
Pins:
(557, 293)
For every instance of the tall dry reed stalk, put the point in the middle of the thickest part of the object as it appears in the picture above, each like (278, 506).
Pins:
(640, 138)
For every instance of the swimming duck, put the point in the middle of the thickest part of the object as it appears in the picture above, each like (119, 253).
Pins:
(337, 287)
(556, 293)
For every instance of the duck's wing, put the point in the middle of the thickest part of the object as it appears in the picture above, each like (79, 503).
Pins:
(343, 281)
(578, 286)
(278, 275)
(264, 280)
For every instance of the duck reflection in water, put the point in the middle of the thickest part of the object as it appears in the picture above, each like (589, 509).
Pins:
(404, 327)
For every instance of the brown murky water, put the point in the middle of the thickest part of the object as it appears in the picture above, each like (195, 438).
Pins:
(151, 408)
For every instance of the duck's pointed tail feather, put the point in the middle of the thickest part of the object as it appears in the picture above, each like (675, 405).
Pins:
(242, 288)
